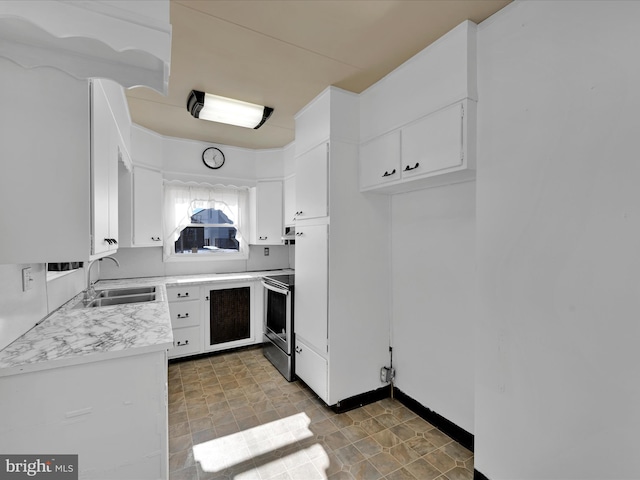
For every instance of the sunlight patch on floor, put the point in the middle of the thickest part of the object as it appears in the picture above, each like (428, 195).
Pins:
(259, 442)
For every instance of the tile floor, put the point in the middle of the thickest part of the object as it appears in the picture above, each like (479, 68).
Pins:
(233, 416)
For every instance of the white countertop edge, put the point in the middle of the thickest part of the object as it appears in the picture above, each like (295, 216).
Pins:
(90, 357)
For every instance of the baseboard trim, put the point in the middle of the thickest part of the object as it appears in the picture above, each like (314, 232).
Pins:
(198, 356)
(447, 427)
(479, 476)
(361, 400)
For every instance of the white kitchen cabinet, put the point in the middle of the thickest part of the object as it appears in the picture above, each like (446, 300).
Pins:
(106, 150)
(437, 149)
(290, 201)
(380, 160)
(185, 309)
(342, 293)
(111, 413)
(266, 213)
(312, 176)
(434, 143)
(140, 208)
(44, 187)
(312, 285)
(311, 368)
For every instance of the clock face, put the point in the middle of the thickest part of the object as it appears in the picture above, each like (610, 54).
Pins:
(213, 157)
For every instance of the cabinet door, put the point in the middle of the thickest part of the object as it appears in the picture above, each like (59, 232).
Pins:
(312, 369)
(147, 207)
(434, 144)
(312, 265)
(44, 187)
(105, 152)
(290, 201)
(267, 213)
(312, 173)
(380, 160)
(229, 316)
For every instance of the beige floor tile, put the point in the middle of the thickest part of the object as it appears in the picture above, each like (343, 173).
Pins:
(238, 402)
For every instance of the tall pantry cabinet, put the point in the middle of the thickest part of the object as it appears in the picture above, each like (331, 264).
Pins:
(342, 293)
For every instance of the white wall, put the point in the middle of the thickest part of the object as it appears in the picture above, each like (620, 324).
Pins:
(433, 284)
(558, 215)
(147, 262)
(19, 311)
(182, 160)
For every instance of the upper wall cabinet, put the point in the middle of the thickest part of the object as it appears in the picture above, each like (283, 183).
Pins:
(417, 125)
(312, 176)
(438, 149)
(45, 149)
(140, 207)
(289, 186)
(128, 42)
(266, 213)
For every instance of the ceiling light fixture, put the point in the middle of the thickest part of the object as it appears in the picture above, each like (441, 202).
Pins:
(227, 110)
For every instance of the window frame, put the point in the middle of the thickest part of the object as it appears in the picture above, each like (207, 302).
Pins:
(239, 213)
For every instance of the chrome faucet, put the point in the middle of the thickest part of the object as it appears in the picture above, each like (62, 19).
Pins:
(89, 293)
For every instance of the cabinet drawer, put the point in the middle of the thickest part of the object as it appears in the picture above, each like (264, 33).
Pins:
(186, 341)
(312, 369)
(184, 314)
(183, 293)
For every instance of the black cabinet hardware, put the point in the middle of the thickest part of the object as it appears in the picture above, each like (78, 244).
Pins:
(409, 168)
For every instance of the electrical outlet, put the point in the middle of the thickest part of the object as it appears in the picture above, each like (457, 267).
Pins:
(266, 251)
(27, 279)
(387, 374)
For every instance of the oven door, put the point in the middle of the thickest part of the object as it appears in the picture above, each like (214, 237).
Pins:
(277, 316)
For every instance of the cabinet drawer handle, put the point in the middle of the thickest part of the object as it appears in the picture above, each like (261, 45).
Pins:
(298, 350)
(206, 299)
(387, 174)
(155, 239)
(298, 213)
(180, 344)
(263, 238)
(298, 234)
(180, 295)
(409, 168)
(186, 315)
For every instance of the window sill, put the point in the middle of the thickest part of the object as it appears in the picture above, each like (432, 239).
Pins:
(204, 257)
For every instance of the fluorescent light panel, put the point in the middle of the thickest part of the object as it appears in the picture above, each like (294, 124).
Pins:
(207, 106)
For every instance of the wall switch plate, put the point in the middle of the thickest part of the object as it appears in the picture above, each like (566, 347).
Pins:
(27, 279)
(266, 251)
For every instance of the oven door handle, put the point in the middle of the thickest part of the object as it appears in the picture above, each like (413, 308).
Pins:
(275, 289)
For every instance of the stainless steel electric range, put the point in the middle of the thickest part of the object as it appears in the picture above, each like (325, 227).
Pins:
(278, 323)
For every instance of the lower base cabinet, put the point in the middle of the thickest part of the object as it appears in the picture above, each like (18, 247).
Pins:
(111, 413)
(311, 368)
(184, 308)
(214, 317)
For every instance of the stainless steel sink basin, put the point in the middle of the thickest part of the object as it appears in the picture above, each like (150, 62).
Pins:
(120, 296)
(119, 292)
(103, 302)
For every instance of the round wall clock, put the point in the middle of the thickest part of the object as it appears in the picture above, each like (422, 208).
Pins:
(213, 157)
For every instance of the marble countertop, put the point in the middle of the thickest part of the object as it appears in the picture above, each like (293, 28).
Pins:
(71, 336)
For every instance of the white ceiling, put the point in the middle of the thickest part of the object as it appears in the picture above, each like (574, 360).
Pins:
(282, 53)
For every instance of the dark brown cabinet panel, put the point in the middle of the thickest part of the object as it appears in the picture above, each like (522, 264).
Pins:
(230, 315)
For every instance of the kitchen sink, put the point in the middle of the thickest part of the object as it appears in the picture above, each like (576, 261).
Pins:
(120, 296)
(120, 292)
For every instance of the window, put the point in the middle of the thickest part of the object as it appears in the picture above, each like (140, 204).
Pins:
(204, 221)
